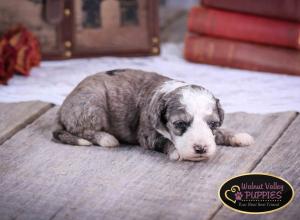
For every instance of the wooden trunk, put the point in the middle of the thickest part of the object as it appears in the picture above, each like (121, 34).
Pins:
(84, 28)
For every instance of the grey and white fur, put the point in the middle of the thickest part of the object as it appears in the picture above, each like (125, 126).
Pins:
(145, 108)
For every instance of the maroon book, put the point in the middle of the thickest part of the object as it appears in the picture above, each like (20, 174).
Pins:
(237, 54)
(283, 9)
(244, 27)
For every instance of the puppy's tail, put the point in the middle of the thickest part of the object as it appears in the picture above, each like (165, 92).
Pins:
(63, 136)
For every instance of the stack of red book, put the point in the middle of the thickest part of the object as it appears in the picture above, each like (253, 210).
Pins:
(262, 35)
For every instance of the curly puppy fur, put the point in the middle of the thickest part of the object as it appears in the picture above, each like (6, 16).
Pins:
(137, 107)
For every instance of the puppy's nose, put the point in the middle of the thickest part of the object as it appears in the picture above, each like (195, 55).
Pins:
(200, 149)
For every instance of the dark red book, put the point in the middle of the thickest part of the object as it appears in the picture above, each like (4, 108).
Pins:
(237, 54)
(283, 9)
(244, 27)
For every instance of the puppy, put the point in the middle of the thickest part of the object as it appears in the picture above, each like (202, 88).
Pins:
(137, 107)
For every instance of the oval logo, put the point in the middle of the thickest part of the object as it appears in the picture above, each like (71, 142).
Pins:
(256, 193)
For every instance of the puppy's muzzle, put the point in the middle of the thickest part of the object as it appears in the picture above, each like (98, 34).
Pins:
(200, 149)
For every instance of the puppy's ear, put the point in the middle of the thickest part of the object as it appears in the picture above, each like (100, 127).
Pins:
(158, 116)
(220, 111)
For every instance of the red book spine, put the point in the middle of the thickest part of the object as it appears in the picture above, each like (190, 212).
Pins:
(244, 27)
(241, 55)
(283, 9)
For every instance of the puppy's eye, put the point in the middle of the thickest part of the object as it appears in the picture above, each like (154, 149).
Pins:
(180, 125)
(213, 124)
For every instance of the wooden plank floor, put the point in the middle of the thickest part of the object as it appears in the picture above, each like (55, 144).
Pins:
(20, 114)
(40, 179)
(282, 160)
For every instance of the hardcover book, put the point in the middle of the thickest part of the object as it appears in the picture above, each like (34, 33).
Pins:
(223, 52)
(244, 27)
(283, 9)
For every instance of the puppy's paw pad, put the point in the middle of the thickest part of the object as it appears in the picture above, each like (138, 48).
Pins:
(108, 141)
(174, 155)
(242, 139)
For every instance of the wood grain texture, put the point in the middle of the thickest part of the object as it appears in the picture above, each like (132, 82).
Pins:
(174, 28)
(40, 179)
(282, 160)
(15, 116)
(167, 15)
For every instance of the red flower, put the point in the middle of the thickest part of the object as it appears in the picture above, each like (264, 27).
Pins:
(19, 52)
(8, 57)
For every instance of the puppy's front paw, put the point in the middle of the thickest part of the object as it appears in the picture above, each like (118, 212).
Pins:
(83, 142)
(174, 155)
(241, 139)
(107, 140)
